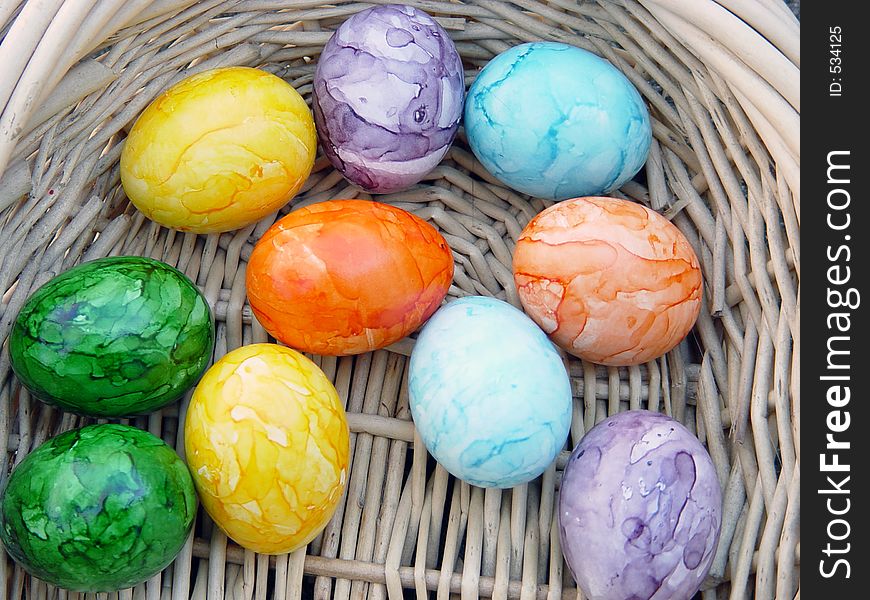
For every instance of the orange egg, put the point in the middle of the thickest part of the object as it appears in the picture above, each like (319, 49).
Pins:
(610, 281)
(347, 276)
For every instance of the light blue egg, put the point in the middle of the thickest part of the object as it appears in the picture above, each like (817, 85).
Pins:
(489, 393)
(555, 121)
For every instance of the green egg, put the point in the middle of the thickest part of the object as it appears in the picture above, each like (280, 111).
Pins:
(114, 337)
(98, 509)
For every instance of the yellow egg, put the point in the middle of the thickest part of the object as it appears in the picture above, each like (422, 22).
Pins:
(267, 442)
(219, 150)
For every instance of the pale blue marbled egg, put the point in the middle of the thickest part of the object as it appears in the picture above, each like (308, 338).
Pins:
(490, 395)
(555, 121)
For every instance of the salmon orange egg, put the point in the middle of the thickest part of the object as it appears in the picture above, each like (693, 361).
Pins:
(267, 442)
(219, 150)
(347, 276)
(610, 281)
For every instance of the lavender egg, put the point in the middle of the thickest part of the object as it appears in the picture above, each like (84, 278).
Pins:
(640, 509)
(388, 96)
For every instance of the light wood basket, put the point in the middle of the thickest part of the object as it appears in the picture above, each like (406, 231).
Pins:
(721, 79)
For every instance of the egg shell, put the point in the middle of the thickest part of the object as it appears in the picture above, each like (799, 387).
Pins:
(219, 150)
(98, 509)
(489, 393)
(347, 276)
(640, 509)
(610, 281)
(556, 121)
(388, 93)
(113, 337)
(267, 441)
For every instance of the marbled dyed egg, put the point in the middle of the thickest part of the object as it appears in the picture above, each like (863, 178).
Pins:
(489, 393)
(98, 509)
(555, 121)
(267, 442)
(388, 94)
(640, 509)
(219, 150)
(347, 276)
(610, 281)
(113, 337)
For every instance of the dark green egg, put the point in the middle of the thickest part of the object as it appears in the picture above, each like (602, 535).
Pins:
(98, 509)
(113, 337)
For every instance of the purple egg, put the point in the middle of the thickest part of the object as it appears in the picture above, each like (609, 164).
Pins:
(388, 95)
(640, 509)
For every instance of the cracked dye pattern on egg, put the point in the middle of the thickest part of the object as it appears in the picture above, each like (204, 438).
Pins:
(610, 281)
(113, 337)
(555, 121)
(489, 393)
(640, 509)
(347, 276)
(388, 94)
(219, 150)
(98, 509)
(267, 442)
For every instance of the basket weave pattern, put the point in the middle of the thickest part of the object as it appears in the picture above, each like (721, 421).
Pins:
(722, 83)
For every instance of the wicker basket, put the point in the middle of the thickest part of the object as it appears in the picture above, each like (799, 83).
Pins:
(722, 82)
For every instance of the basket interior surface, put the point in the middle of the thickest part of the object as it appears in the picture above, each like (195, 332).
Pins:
(721, 81)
